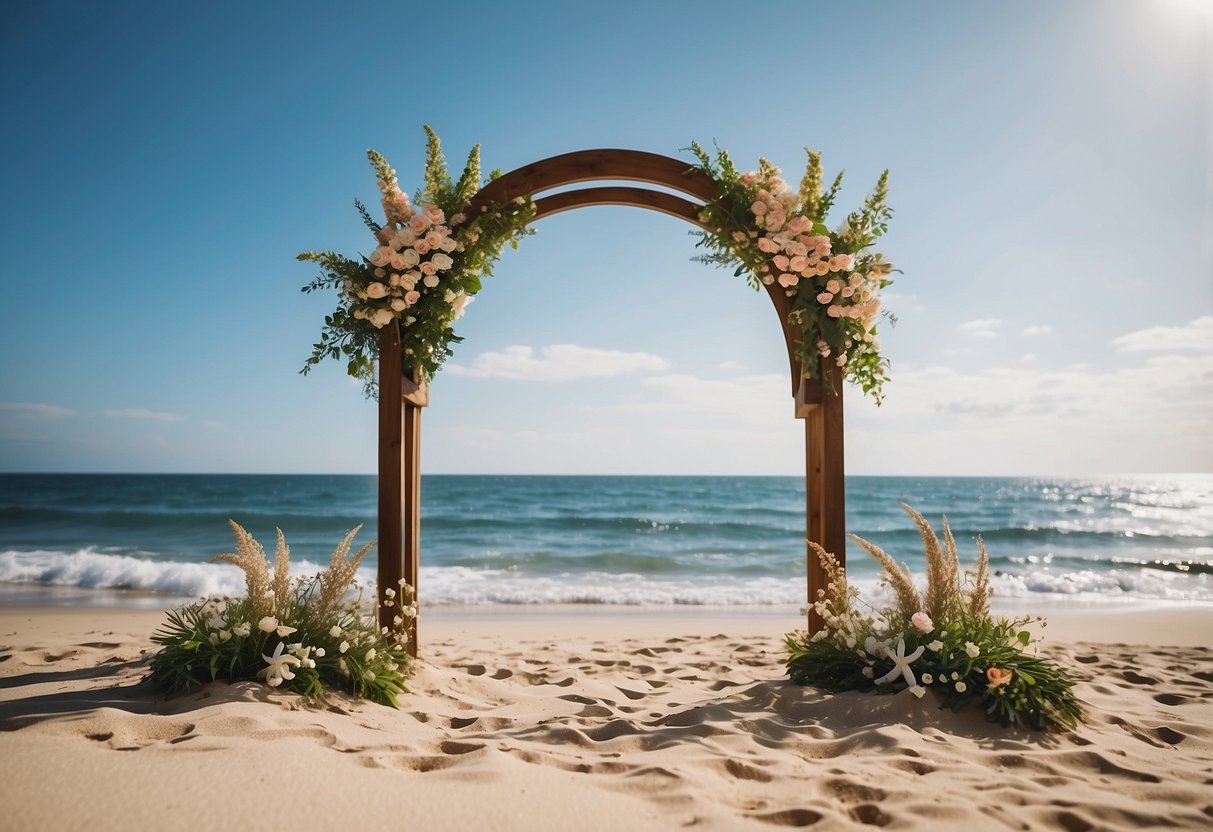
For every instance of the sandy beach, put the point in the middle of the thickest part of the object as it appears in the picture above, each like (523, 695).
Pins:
(596, 718)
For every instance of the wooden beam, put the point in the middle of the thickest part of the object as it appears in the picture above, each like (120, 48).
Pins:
(410, 476)
(591, 165)
(391, 483)
(825, 484)
(660, 201)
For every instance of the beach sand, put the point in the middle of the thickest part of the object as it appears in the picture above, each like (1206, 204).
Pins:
(598, 718)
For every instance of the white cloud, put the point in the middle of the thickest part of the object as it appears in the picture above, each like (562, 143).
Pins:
(981, 328)
(558, 362)
(37, 409)
(1196, 335)
(730, 366)
(1037, 329)
(1147, 417)
(150, 415)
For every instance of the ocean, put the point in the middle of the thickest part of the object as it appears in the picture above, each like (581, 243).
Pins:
(604, 539)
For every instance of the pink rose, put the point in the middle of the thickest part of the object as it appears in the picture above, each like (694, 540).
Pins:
(433, 239)
(442, 261)
(419, 223)
(799, 249)
(748, 178)
(759, 208)
(774, 220)
(824, 298)
(399, 305)
(411, 257)
(922, 622)
(381, 318)
(384, 235)
(833, 286)
(847, 291)
(768, 245)
(798, 224)
(799, 263)
(376, 290)
(421, 246)
(381, 256)
(856, 279)
(398, 262)
(782, 263)
(788, 280)
(846, 262)
(412, 297)
(823, 268)
(834, 311)
(448, 244)
(435, 214)
(428, 268)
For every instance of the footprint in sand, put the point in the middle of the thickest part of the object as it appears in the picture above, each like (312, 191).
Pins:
(790, 817)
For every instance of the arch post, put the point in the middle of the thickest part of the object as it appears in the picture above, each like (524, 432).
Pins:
(400, 403)
(825, 483)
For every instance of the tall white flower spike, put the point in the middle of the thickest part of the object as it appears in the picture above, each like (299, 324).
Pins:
(901, 664)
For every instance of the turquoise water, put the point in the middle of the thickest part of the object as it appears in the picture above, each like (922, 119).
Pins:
(617, 540)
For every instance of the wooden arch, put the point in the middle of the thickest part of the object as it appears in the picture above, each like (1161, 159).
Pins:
(401, 399)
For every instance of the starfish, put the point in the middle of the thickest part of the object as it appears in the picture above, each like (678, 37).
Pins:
(901, 664)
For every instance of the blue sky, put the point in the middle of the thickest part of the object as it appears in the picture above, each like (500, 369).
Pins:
(1051, 174)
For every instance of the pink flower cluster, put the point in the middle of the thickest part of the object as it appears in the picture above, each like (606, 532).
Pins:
(414, 250)
(804, 261)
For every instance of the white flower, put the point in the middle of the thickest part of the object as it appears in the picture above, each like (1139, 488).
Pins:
(922, 622)
(935, 646)
(284, 631)
(279, 667)
(242, 629)
(345, 668)
(389, 593)
(376, 290)
(215, 623)
(368, 675)
(955, 675)
(381, 318)
(320, 652)
(370, 654)
(224, 635)
(442, 261)
(430, 280)
(335, 631)
(927, 678)
(345, 645)
(870, 644)
(961, 687)
(267, 624)
(917, 690)
(972, 649)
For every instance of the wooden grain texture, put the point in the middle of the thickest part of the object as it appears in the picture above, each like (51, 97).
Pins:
(410, 476)
(391, 446)
(825, 485)
(595, 165)
(660, 201)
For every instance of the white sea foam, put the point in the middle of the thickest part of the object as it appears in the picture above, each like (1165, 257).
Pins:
(90, 569)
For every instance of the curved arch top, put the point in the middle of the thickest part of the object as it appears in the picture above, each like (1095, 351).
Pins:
(596, 165)
(628, 166)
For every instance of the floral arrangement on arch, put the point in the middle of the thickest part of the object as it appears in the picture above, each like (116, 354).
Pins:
(943, 641)
(774, 234)
(430, 260)
(304, 635)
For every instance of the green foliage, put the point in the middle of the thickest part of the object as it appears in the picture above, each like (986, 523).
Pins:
(315, 645)
(961, 652)
(757, 225)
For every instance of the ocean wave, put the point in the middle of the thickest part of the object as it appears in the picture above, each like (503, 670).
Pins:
(447, 585)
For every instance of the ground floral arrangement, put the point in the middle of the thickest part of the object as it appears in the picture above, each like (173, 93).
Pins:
(945, 641)
(304, 635)
(433, 254)
(774, 234)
